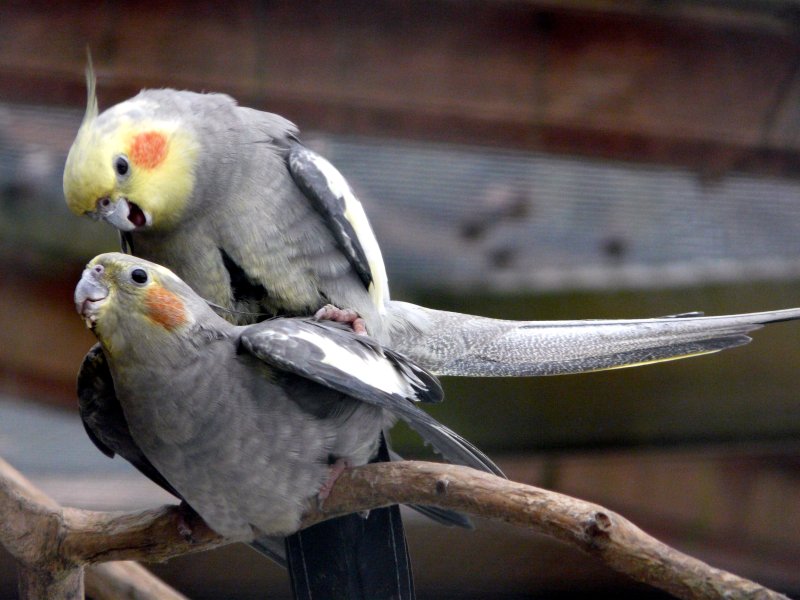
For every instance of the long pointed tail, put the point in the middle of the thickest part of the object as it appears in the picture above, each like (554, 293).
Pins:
(449, 343)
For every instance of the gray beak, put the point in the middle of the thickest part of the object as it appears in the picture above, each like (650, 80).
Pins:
(116, 212)
(90, 293)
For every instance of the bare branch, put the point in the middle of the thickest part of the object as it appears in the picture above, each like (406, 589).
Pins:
(52, 583)
(33, 528)
(89, 537)
(149, 535)
(591, 528)
(36, 516)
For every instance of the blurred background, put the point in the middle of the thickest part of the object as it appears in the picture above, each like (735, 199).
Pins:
(519, 159)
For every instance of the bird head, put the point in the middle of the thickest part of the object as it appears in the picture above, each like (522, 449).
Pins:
(126, 300)
(132, 166)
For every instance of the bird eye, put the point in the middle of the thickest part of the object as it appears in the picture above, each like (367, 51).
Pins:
(139, 275)
(121, 165)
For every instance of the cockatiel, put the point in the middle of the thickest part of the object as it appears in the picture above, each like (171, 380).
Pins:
(353, 557)
(259, 225)
(246, 423)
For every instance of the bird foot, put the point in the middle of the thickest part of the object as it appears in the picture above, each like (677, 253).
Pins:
(329, 312)
(337, 468)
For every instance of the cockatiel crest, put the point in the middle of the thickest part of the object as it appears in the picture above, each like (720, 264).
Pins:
(129, 170)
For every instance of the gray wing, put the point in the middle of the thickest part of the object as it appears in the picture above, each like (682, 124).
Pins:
(105, 423)
(103, 419)
(308, 169)
(358, 367)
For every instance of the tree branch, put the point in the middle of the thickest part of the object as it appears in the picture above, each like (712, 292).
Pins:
(51, 535)
(125, 580)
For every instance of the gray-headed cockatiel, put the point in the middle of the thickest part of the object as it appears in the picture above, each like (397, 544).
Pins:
(247, 424)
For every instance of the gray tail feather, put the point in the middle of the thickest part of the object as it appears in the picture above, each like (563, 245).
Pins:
(449, 343)
(445, 441)
(443, 516)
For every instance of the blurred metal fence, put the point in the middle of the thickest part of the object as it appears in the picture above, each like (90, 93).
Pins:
(456, 216)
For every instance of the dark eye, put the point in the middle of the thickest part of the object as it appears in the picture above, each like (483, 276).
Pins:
(139, 275)
(121, 165)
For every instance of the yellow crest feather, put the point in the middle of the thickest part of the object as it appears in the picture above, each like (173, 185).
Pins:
(91, 90)
(85, 178)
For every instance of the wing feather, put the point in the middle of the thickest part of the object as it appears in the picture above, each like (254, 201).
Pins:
(355, 365)
(331, 196)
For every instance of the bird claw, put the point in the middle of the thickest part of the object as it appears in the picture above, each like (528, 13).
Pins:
(337, 468)
(329, 312)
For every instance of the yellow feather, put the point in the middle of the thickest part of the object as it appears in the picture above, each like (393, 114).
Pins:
(85, 178)
(162, 191)
(379, 288)
(659, 360)
(91, 90)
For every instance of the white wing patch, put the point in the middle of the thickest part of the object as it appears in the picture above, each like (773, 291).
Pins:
(374, 371)
(354, 213)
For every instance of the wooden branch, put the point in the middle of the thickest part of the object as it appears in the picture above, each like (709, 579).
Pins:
(591, 528)
(56, 536)
(125, 580)
(56, 582)
(33, 528)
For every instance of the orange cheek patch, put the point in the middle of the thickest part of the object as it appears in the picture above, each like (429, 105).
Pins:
(165, 308)
(148, 149)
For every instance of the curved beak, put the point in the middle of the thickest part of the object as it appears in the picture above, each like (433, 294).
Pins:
(116, 213)
(121, 213)
(90, 293)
